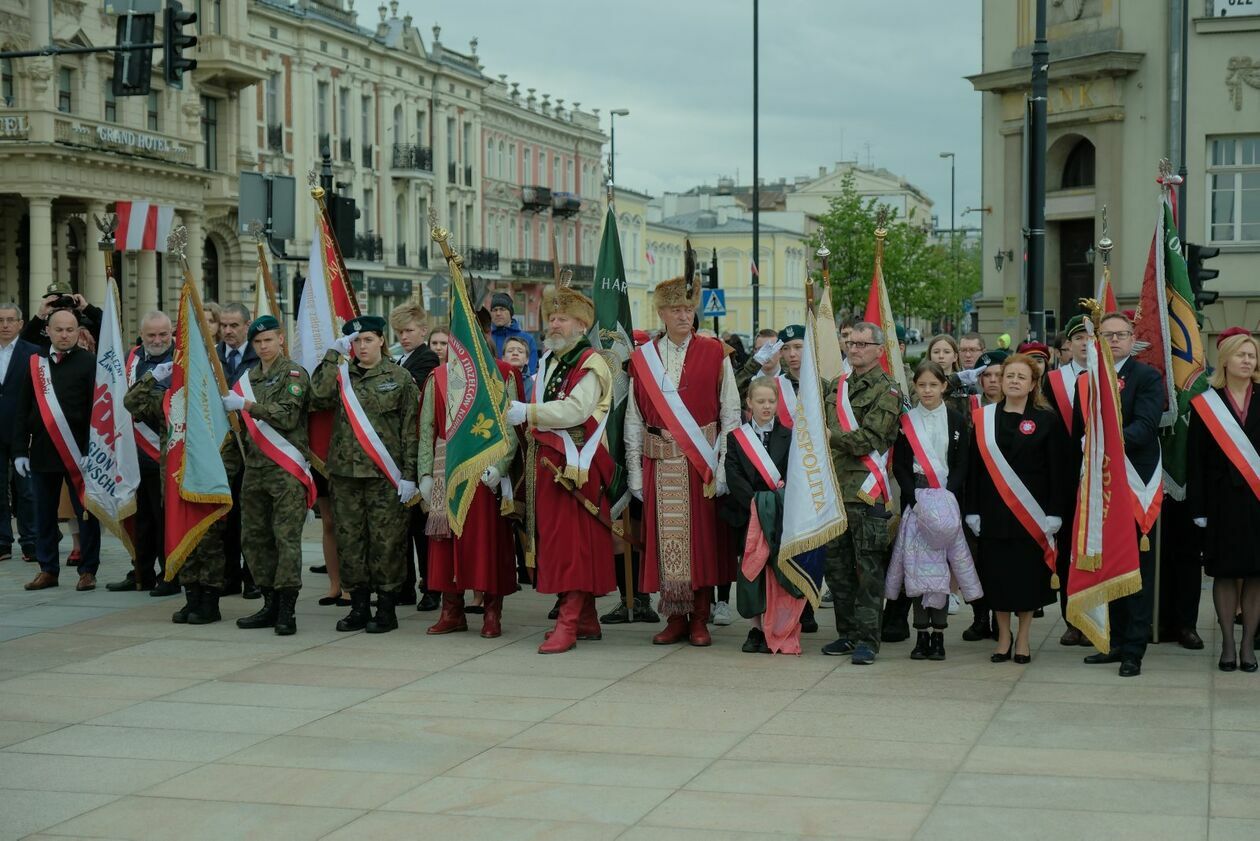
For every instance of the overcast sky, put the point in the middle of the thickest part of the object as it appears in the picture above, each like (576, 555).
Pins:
(836, 75)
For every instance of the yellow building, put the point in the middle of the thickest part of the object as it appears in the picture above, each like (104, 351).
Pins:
(652, 246)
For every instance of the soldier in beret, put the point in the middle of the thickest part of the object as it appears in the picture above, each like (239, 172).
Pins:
(277, 489)
(371, 466)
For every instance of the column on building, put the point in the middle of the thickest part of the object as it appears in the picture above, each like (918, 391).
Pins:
(441, 159)
(61, 251)
(477, 145)
(39, 209)
(196, 245)
(146, 285)
(94, 265)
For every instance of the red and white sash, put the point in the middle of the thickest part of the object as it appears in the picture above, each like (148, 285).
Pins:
(1148, 497)
(750, 443)
(1229, 436)
(934, 470)
(787, 400)
(148, 441)
(1064, 392)
(362, 428)
(580, 460)
(55, 422)
(973, 400)
(876, 487)
(663, 392)
(274, 445)
(1009, 486)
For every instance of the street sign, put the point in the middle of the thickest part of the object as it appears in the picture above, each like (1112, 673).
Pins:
(967, 306)
(712, 303)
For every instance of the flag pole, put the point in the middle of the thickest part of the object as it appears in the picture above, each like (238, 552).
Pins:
(264, 270)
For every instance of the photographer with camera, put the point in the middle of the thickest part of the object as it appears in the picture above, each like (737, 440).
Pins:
(60, 296)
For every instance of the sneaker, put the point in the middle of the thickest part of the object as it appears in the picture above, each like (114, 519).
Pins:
(755, 642)
(722, 614)
(826, 601)
(954, 604)
(863, 655)
(839, 647)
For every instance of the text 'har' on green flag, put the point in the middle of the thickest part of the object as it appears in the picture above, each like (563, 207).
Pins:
(613, 335)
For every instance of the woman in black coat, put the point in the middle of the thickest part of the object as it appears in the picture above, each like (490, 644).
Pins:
(1222, 502)
(1011, 562)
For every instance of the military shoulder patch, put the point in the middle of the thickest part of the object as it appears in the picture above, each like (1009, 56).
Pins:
(293, 372)
(295, 389)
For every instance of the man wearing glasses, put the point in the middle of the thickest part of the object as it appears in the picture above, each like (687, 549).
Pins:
(857, 560)
(1141, 404)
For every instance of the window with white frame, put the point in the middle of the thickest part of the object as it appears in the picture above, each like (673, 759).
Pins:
(492, 160)
(1234, 188)
(511, 171)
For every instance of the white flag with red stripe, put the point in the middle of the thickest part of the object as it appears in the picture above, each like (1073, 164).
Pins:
(142, 226)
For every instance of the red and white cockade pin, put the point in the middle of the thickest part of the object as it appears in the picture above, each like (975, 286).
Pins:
(1028, 427)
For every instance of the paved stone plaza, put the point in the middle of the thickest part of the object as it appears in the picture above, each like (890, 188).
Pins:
(118, 724)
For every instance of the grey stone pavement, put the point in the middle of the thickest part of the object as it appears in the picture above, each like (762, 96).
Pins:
(115, 723)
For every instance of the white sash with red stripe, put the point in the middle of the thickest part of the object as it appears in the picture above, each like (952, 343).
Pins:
(1064, 392)
(876, 487)
(1148, 497)
(1229, 436)
(148, 441)
(934, 470)
(750, 443)
(787, 400)
(1009, 486)
(274, 445)
(362, 428)
(663, 393)
(55, 422)
(582, 459)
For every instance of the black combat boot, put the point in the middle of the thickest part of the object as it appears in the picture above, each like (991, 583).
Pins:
(922, 646)
(385, 620)
(192, 595)
(936, 647)
(265, 617)
(286, 603)
(360, 607)
(809, 625)
(207, 609)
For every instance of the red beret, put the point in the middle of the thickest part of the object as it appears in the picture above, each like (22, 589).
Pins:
(1035, 349)
(1231, 331)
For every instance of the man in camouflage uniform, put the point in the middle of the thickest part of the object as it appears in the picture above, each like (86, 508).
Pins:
(202, 572)
(857, 560)
(368, 511)
(274, 501)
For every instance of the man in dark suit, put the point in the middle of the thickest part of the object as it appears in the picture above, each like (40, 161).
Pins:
(72, 372)
(15, 371)
(237, 356)
(1141, 404)
(407, 322)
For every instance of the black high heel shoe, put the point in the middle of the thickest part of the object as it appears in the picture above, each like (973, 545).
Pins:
(1243, 665)
(1002, 656)
(1023, 659)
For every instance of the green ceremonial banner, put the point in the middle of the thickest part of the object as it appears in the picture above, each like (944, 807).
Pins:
(613, 335)
(477, 431)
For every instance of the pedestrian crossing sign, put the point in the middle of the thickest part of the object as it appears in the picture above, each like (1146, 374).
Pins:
(712, 302)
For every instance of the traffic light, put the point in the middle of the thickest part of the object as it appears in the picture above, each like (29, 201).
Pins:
(132, 68)
(1195, 257)
(175, 41)
(343, 214)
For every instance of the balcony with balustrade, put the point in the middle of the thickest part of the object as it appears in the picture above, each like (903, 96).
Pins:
(410, 158)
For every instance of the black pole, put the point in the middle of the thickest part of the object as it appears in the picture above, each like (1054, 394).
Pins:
(1181, 170)
(612, 148)
(713, 283)
(756, 193)
(953, 230)
(1037, 181)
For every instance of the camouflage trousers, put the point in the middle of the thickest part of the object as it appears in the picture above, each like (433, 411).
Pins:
(371, 528)
(204, 566)
(273, 512)
(856, 564)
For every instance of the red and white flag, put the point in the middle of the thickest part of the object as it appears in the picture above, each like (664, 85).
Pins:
(142, 226)
(651, 257)
(879, 312)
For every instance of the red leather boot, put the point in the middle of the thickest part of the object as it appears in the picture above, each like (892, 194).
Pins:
(492, 624)
(698, 633)
(452, 617)
(563, 637)
(588, 620)
(675, 631)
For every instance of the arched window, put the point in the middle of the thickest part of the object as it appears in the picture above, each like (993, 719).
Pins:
(503, 169)
(511, 250)
(399, 136)
(209, 271)
(1078, 169)
(492, 162)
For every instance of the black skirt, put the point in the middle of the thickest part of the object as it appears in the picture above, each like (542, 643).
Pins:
(1013, 573)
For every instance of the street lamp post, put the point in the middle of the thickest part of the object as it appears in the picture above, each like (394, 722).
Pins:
(612, 141)
(953, 224)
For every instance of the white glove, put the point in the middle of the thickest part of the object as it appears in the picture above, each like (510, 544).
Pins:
(233, 402)
(969, 376)
(22, 465)
(491, 477)
(767, 352)
(722, 489)
(1053, 524)
(517, 413)
(1201, 522)
(162, 371)
(637, 493)
(342, 345)
(973, 523)
(406, 491)
(426, 486)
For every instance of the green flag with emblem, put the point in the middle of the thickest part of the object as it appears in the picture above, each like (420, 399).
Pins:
(612, 335)
(476, 429)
